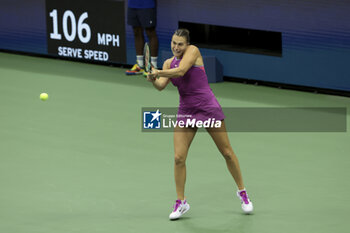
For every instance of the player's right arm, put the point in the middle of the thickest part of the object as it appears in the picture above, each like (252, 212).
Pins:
(161, 82)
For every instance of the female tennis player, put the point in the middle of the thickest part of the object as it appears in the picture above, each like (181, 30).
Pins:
(186, 71)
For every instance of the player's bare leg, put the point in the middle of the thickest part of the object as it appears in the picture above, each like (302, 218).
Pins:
(221, 140)
(182, 140)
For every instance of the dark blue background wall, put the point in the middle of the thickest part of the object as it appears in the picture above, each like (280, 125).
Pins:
(23, 26)
(315, 35)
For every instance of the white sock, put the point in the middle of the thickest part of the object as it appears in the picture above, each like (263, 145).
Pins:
(139, 60)
(154, 62)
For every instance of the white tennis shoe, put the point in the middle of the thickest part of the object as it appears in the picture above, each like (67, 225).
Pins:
(180, 208)
(247, 205)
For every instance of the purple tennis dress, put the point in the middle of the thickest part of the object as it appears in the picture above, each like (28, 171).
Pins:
(197, 100)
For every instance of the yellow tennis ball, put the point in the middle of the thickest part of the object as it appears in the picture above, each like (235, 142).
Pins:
(44, 96)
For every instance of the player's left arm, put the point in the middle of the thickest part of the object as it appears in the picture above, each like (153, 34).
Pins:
(188, 60)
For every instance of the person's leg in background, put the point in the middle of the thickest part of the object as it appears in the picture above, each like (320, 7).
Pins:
(153, 41)
(133, 20)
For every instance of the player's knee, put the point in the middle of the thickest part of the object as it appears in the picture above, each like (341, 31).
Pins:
(227, 153)
(179, 159)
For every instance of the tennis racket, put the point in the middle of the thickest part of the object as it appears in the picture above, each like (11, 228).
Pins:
(147, 58)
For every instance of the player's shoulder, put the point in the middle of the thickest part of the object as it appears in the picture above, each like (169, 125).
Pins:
(192, 49)
(191, 46)
(169, 60)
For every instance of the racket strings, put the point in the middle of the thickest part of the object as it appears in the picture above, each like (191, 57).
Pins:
(147, 61)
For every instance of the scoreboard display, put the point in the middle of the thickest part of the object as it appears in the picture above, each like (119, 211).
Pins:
(87, 30)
